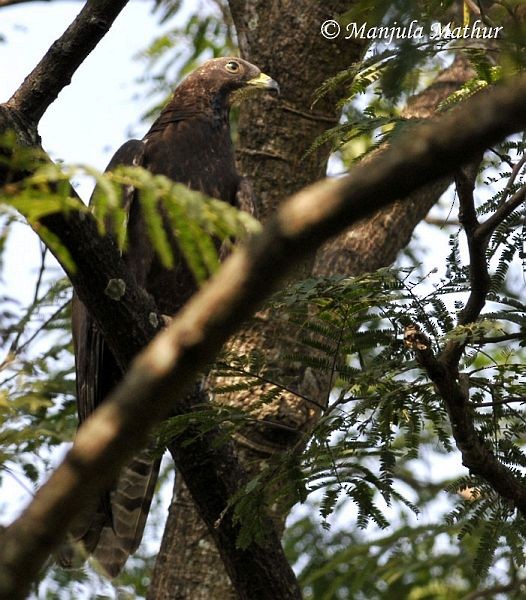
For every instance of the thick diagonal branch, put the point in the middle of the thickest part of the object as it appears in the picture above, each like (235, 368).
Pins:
(161, 377)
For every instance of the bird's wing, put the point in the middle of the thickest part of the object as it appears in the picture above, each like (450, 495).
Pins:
(96, 368)
(112, 527)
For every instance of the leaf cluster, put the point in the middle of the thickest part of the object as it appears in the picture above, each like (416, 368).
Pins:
(36, 401)
(381, 409)
(198, 223)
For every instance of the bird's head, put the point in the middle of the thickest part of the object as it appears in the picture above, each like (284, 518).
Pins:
(227, 80)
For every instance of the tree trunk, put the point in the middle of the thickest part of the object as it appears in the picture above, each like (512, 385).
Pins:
(183, 568)
(274, 136)
(282, 39)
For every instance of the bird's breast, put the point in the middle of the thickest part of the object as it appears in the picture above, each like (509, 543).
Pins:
(197, 154)
(201, 156)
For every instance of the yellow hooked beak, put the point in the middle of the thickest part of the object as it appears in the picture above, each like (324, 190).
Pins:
(264, 82)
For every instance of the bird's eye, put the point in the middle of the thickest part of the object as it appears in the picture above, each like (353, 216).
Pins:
(232, 66)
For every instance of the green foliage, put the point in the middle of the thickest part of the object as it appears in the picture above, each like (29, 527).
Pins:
(382, 409)
(485, 74)
(167, 8)
(358, 467)
(415, 561)
(37, 408)
(36, 404)
(199, 224)
(402, 417)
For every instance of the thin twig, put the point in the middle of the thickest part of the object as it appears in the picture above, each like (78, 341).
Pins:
(14, 350)
(443, 370)
(335, 357)
(494, 591)
(521, 399)
(14, 346)
(312, 116)
(4, 3)
(473, 7)
(504, 210)
(264, 379)
(476, 456)
(514, 173)
(45, 324)
(496, 339)
(441, 222)
(42, 268)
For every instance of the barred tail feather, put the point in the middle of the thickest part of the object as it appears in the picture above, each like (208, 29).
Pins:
(112, 541)
(130, 504)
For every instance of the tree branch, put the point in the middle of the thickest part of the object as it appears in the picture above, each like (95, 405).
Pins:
(496, 339)
(516, 169)
(159, 380)
(4, 3)
(504, 211)
(478, 235)
(134, 317)
(276, 160)
(478, 267)
(377, 242)
(55, 70)
(514, 586)
(443, 371)
(520, 399)
(476, 454)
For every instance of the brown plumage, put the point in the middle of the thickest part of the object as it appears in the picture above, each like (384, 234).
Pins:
(190, 143)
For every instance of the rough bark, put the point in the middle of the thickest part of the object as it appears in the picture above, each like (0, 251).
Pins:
(283, 39)
(277, 159)
(273, 141)
(190, 575)
(128, 322)
(274, 137)
(132, 317)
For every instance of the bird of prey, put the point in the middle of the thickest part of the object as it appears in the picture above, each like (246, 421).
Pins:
(190, 143)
